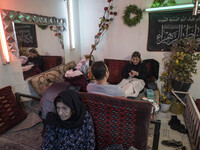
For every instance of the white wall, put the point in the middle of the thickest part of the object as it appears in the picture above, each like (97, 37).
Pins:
(11, 74)
(120, 40)
(48, 43)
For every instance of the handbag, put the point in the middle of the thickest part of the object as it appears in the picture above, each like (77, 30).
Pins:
(152, 85)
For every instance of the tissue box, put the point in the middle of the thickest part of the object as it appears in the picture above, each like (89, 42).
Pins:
(150, 93)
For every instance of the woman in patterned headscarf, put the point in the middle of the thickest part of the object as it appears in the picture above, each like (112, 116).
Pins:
(71, 126)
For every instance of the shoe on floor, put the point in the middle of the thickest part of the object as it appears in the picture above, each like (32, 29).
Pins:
(179, 128)
(172, 143)
(175, 120)
(175, 124)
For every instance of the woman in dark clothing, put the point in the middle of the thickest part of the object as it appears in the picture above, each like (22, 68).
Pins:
(71, 126)
(135, 69)
(36, 59)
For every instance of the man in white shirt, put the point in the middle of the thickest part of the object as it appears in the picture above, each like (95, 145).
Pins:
(101, 86)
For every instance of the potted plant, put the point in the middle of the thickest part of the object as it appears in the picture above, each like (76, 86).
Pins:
(180, 65)
(164, 103)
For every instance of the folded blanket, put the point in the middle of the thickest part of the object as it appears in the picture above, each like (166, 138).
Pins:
(71, 73)
(132, 86)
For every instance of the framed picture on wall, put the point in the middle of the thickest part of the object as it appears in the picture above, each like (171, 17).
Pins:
(26, 35)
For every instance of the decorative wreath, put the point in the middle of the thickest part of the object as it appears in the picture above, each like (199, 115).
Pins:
(127, 13)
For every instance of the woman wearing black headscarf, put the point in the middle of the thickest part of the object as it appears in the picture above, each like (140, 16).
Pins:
(70, 127)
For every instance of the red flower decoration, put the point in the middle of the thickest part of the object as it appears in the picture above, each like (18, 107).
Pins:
(105, 8)
(109, 1)
(115, 13)
(51, 28)
(111, 13)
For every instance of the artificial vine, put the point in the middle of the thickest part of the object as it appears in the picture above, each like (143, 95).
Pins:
(58, 32)
(104, 24)
(132, 9)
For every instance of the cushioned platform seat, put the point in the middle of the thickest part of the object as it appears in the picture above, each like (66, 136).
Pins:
(48, 63)
(116, 66)
(119, 120)
(51, 61)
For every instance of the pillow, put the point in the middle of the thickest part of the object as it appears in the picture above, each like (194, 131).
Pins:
(115, 68)
(41, 82)
(10, 112)
(63, 68)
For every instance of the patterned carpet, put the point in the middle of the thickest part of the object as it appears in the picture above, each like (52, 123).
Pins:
(27, 139)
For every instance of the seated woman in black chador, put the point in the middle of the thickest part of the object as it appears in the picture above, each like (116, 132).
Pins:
(36, 59)
(135, 69)
(70, 126)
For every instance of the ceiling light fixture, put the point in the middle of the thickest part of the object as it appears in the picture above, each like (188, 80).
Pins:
(71, 24)
(4, 46)
(176, 7)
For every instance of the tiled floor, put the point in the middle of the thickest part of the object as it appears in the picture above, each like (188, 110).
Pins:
(168, 134)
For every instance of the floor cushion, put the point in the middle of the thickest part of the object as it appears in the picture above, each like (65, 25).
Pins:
(10, 111)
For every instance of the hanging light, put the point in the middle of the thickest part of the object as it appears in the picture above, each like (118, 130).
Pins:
(176, 7)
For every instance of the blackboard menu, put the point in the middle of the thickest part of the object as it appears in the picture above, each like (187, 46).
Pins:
(26, 35)
(165, 28)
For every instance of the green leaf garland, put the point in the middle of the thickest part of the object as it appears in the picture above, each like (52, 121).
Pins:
(127, 15)
(41, 26)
